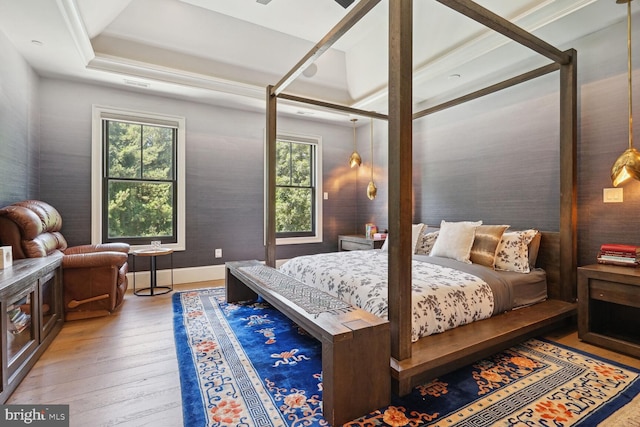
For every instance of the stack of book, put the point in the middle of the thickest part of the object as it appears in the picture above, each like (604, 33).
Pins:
(18, 320)
(618, 254)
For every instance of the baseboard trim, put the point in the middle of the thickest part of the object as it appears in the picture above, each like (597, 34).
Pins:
(182, 276)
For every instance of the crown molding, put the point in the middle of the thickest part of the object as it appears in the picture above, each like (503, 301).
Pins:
(128, 67)
(71, 15)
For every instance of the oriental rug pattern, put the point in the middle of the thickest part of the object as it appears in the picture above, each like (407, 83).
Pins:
(248, 365)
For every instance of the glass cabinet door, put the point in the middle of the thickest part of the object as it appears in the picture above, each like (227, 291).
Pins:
(50, 306)
(21, 332)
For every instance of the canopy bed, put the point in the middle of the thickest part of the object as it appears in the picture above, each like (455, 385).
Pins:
(416, 360)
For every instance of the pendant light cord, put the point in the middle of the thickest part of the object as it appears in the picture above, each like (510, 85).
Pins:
(371, 139)
(629, 70)
(354, 135)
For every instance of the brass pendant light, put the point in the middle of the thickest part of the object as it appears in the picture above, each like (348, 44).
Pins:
(628, 164)
(355, 159)
(372, 190)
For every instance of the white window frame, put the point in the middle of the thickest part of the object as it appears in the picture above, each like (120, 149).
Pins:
(100, 113)
(307, 139)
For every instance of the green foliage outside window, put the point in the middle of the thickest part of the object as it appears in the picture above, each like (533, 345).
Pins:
(140, 180)
(294, 188)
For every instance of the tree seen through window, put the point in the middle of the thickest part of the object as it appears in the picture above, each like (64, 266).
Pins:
(140, 182)
(295, 189)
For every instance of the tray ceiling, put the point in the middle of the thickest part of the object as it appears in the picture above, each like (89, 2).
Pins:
(227, 52)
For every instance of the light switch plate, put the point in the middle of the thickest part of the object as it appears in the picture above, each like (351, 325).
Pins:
(612, 195)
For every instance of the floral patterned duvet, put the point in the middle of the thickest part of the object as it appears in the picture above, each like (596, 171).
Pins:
(445, 293)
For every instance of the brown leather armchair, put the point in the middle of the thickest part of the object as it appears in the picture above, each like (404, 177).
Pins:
(94, 276)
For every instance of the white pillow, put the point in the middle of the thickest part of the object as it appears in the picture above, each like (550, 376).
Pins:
(416, 231)
(455, 240)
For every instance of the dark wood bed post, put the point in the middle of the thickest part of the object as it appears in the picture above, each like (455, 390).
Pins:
(270, 237)
(400, 175)
(568, 177)
(273, 92)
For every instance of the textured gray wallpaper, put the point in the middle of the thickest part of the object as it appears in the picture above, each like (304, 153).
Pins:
(224, 170)
(493, 159)
(19, 127)
(496, 158)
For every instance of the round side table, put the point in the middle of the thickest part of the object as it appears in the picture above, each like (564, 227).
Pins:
(153, 253)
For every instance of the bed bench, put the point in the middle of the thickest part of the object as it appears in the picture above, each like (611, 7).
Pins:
(355, 344)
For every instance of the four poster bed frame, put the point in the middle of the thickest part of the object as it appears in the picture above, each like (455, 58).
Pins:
(414, 363)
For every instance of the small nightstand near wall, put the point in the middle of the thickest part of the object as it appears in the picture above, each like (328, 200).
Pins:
(609, 307)
(153, 287)
(358, 242)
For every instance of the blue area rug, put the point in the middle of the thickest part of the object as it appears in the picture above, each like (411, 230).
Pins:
(248, 365)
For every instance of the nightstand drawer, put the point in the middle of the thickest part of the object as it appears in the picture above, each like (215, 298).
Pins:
(357, 242)
(348, 245)
(618, 293)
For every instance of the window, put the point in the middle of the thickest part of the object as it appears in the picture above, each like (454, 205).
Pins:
(298, 189)
(138, 182)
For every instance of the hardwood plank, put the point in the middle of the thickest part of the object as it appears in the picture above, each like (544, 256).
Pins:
(37, 388)
(114, 370)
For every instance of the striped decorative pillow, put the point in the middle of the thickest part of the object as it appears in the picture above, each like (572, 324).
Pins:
(485, 244)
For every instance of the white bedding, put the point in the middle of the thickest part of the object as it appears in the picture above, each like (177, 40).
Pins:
(442, 297)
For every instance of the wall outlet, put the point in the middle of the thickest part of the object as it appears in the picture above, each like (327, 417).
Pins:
(218, 253)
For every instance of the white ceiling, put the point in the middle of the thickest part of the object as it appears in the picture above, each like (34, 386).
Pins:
(227, 51)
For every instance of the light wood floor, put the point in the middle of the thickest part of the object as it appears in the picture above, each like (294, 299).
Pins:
(122, 369)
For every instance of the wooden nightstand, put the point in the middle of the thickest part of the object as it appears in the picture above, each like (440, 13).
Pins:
(358, 242)
(609, 307)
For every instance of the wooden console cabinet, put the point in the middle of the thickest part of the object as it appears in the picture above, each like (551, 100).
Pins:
(31, 315)
(609, 307)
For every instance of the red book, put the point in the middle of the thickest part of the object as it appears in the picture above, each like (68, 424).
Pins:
(617, 247)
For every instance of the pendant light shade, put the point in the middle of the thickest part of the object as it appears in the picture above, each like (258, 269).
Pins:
(355, 159)
(626, 167)
(628, 164)
(372, 190)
